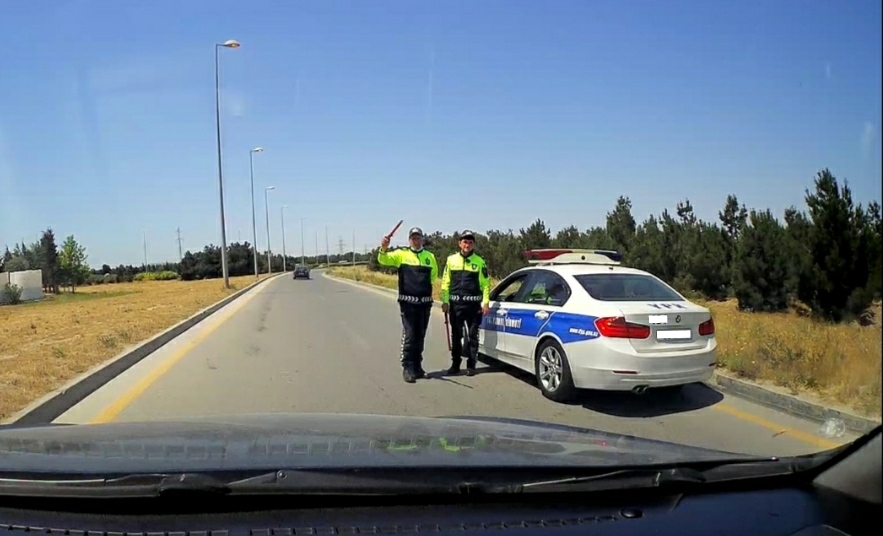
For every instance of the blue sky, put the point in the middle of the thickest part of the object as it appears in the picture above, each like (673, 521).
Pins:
(448, 114)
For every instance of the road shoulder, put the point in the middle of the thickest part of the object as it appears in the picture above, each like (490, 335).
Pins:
(55, 403)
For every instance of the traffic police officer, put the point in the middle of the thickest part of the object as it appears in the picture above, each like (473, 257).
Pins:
(465, 295)
(417, 271)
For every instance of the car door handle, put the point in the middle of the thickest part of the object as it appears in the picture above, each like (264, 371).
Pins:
(542, 315)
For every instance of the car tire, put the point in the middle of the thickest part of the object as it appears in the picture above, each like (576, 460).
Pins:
(552, 370)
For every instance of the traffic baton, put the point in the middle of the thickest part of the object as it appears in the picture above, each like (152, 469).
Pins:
(394, 229)
(447, 332)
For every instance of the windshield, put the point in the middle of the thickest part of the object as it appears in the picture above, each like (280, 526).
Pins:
(351, 230)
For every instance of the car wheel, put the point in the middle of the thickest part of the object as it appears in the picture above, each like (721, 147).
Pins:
(553, 372)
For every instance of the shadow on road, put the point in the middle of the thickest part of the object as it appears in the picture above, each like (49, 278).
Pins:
(653, 403)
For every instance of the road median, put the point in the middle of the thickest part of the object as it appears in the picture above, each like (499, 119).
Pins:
(99, 324)
(734, 328)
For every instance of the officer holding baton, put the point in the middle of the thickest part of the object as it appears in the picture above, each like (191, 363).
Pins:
(417, 271)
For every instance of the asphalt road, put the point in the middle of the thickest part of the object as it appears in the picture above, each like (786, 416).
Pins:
(326, 345)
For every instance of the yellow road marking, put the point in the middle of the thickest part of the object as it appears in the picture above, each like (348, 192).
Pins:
(760, 421)
(209, 326)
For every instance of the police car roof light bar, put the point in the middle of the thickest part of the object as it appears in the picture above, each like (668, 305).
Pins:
(572, 256)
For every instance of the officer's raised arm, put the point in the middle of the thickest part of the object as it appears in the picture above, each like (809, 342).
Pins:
(388, 258)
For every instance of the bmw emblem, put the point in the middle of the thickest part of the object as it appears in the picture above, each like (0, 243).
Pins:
(678, 319)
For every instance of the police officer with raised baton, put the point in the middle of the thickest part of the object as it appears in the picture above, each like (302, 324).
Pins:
(465, 295)
(417, 271)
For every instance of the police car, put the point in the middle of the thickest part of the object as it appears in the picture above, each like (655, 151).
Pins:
(577, 319)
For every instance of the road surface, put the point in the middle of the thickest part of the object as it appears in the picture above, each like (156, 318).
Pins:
(326, 345)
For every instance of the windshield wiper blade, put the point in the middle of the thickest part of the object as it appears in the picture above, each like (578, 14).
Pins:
(650, 477)
(136, 485)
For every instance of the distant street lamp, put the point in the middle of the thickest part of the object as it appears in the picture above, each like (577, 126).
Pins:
(303, 257)
(282, 212)
(254, 231)
(226, 44)
(267, 204)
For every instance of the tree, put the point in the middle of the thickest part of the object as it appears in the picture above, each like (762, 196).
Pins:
(837, 282)
(764, 273)
(50, 264)
(74, 269)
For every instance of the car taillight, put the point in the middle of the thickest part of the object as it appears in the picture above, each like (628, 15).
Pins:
(707, 328)
(618, 328)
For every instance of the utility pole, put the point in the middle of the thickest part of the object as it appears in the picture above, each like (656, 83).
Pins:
(144, 242)
(180, 253)
(327, 251)
(317, 247)
(282, 214)
(354, 247)
(340, 246)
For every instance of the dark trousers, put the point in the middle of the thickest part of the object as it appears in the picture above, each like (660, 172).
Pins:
(415, 320)
(470, 315)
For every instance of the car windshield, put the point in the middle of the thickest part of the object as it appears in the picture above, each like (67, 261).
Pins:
(626, 287)
(313, 233)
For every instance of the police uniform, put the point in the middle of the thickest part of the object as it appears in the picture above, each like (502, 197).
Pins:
(465, 288)
(417, 272)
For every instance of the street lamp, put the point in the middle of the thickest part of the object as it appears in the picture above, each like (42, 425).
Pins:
(226, 44)
(254, 231)
(282, 213)
(303, 258)
(267, 204)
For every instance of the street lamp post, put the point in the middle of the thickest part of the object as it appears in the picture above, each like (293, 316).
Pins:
(254, 230)
(267, 204)
(303, 257)
(282, 212)
(226, 44)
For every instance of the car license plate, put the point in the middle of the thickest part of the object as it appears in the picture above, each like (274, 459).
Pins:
(674, 335)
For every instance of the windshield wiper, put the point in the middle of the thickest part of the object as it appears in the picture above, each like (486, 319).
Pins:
(349, 482)
(136, 485)
(650, 477)
(401, 481)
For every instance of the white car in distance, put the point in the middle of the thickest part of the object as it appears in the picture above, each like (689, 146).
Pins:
(577, 319)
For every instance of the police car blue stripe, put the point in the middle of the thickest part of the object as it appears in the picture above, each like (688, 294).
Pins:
(568, 327)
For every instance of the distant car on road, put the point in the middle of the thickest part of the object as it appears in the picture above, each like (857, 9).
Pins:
(301, 271)
(578, 320)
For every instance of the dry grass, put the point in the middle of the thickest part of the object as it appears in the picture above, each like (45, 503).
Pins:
(836, 363)
(45, 344)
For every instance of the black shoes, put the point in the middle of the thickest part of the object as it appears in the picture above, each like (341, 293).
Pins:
(411, 375)
(455, 368)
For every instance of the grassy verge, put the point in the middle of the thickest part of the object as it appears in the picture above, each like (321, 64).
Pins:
(46, 344)
(836, 363)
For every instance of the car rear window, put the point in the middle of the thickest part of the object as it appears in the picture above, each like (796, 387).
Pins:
(626, 287)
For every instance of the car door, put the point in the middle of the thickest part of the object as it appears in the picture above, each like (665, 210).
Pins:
(540, 297)
(493, 325)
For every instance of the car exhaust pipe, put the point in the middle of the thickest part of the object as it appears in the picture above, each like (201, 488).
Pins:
(639, 389)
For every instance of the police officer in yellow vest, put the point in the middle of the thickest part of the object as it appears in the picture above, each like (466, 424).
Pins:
(465, 295)
(418, 271)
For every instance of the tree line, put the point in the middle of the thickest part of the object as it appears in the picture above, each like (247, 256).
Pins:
(826, 258)
(68, 267)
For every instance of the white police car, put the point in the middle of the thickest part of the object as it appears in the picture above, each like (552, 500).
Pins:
(578, 320)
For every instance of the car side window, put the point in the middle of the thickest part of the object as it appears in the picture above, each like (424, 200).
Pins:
(509, 290)
(545, 288)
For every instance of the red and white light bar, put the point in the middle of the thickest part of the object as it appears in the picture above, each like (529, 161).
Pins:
(572, 256)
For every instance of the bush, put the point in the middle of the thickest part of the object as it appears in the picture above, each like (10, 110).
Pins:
(165, 275)
(10, 295)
